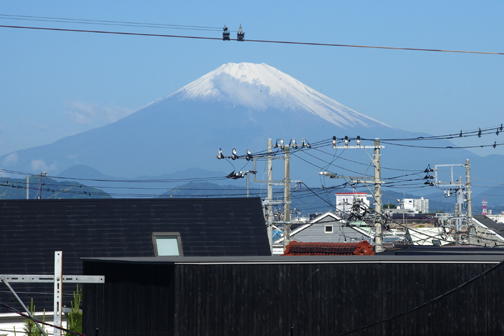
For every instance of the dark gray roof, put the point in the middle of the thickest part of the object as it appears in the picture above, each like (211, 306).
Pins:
(32, 230)
(498, 228)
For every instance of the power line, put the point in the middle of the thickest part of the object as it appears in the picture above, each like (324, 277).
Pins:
(251, 40)
(106, 22)
(444, 147)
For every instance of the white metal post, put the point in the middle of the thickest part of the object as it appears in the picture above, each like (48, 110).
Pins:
(58, 289)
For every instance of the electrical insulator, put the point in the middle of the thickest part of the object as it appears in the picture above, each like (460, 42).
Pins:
(305, 143)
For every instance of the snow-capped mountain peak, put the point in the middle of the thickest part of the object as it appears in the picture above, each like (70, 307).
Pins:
(260, 86)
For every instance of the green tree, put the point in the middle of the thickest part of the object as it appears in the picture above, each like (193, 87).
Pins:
(389, 206)
(74, 322)
(30, 327)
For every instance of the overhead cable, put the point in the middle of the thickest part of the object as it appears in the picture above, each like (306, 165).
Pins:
(251, 40)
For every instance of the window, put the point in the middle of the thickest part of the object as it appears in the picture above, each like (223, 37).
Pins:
(328, 229)
(167, 244)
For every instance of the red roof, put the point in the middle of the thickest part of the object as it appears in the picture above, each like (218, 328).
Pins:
(298, 248)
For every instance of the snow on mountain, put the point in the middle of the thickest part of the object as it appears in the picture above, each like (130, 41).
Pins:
(260, 86)
(235, 106)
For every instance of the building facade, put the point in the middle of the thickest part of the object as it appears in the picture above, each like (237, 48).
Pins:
(345, 201)
(420, 205)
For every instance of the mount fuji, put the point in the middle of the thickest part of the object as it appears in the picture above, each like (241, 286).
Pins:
(235, 106)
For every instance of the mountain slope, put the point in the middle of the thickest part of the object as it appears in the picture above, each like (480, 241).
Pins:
(235, 106)
(260, 87)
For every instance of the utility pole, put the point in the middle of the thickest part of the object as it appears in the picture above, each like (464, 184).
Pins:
(468, 188)
(287, 216)
(458, 187)
(40, 188)
(286, 182)
(376, 180)
(268, 202)
(377, 198)
(269, 184)
(453, 185)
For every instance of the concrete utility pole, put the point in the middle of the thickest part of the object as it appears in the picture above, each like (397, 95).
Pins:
(40, 188)
(455, 185)
(468, 188)
(287, 216)
(268, 202)
(286, 182)
(269, 222)
(377, 198)
(377, 185)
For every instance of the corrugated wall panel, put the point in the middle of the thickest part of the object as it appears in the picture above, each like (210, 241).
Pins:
(314, 299)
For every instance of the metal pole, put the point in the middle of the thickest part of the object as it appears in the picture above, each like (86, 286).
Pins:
(27, 187)
(247, 184)
(468, 187)
(40, 187)
(58, 290)
(377, 198)
(24, 307)
(287, 216)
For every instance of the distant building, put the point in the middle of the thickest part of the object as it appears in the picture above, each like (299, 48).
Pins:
(345, 201)
(327, 228)
(420, 205)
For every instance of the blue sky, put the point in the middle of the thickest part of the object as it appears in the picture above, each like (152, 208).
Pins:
(55, 84)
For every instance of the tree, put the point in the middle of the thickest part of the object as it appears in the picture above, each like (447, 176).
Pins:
(30, 327)
(74, 322)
